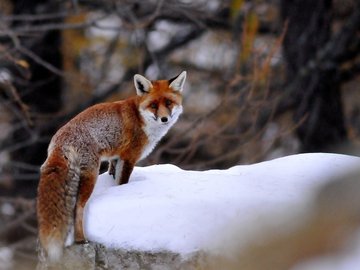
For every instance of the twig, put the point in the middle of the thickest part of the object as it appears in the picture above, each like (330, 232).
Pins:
(35, 17)
(33, 56)
(12, 92)
(21, 30)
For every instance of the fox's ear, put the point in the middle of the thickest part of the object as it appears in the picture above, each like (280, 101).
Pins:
(142, 85)
(178, 82)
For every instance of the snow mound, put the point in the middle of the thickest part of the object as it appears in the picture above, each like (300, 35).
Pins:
(166, 208)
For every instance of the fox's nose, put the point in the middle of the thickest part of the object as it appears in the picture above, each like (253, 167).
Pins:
(164, 119)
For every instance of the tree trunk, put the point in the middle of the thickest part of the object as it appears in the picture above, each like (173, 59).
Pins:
(42, 93)
(319, 110)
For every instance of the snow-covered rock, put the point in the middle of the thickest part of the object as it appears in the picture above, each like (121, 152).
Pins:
(166, 210)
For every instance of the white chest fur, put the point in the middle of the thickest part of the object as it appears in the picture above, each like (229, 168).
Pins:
(154, 134)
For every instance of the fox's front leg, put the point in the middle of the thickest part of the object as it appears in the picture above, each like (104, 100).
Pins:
(86, 186)
(112, 167)
(115, 169)
(126, 171)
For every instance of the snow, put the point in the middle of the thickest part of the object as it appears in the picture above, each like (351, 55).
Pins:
(6, 258)
(166, 208)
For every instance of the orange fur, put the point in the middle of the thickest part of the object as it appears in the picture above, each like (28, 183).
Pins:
(123, 132)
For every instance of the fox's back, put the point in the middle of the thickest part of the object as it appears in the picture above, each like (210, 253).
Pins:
(99, 129)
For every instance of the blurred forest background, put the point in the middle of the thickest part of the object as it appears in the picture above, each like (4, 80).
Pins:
(266, 78)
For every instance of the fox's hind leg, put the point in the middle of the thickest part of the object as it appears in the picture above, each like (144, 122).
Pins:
(86, 186)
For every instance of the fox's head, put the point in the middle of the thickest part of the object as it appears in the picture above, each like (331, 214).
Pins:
(160, 101)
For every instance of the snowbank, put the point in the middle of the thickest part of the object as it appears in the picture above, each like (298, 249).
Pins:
(164, 208)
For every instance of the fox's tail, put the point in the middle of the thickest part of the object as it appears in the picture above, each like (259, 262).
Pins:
(57, 192)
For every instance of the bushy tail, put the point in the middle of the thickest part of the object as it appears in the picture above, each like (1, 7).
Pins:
(57, 192)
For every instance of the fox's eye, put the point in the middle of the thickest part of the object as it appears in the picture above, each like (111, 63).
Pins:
(168, 102)
(153, 105)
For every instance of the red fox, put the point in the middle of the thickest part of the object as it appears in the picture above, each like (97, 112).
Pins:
(123, 132)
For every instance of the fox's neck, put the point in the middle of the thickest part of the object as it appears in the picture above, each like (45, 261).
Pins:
(154, 134)
(155, 130)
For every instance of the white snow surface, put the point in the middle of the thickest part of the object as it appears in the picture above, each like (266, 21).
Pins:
(166, 208)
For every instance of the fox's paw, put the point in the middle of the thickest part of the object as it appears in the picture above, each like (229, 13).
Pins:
(80, 238)
(81, 242)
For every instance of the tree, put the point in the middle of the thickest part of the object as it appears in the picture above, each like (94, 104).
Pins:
(313, 57)
(41, 91)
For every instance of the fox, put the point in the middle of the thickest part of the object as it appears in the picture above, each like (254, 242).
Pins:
(122, 132)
